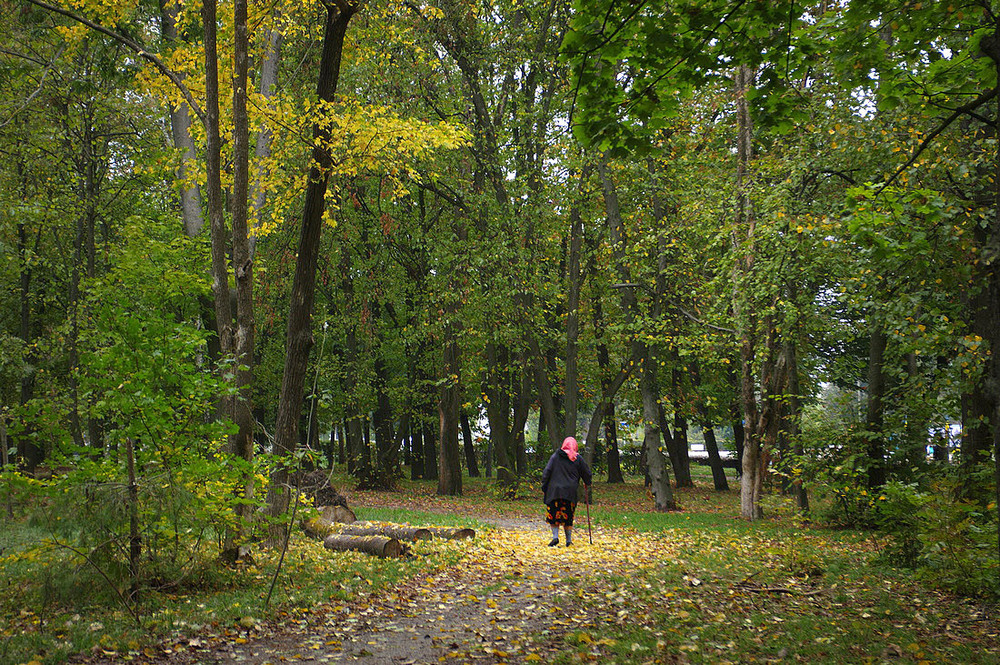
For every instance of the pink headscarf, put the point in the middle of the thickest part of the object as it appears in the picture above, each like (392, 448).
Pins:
(569, 445)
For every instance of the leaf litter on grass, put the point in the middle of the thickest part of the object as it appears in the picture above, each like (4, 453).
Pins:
(669, 595)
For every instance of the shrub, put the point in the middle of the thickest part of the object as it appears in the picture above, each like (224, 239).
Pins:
(950, 541)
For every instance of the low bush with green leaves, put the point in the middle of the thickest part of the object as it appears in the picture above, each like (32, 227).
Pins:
(949, 539)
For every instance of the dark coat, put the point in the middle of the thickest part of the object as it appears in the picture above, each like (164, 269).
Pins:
(561, 476)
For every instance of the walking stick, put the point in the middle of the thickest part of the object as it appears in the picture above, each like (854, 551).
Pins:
(590, 531)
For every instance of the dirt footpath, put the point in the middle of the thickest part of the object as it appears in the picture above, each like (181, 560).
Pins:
(510, 600)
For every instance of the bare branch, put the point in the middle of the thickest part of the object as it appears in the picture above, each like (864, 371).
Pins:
(699, 321)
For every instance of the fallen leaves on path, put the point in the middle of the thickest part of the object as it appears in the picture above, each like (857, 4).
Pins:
(510, 599)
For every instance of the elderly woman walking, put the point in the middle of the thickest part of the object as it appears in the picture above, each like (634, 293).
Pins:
(560, 480)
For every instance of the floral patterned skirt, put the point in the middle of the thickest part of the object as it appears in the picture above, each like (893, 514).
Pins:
(560, 512)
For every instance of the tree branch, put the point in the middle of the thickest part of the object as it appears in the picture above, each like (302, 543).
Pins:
(955, 115)
(697, 320)
(41, 82)
(135, 46)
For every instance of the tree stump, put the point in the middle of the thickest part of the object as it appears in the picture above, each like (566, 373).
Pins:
(338, 514)
(316, 484)
(328, 521)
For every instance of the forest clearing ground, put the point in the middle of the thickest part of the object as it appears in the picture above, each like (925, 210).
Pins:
(511, 599)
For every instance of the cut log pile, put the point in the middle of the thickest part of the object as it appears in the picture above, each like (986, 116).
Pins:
(402, 532)
(341, 533)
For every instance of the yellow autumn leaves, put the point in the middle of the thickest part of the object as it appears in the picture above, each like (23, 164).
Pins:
(371, 138)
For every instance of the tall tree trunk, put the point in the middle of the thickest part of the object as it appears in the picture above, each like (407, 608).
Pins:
(299, 339)
(330, 449)
(522, 408)
(243, 342)
(496, 387)
(611, 443)
(980, 404)
(799, 491)
(711, 443)
(29, 454)
(342, 457)
(417, 451)
(430, 451)
(991, 384)
(262, 149)
(386, 442)
(470, 447)
(739, 431)
(605, 410)
(681, 457)
(751, 480)
(575, 282)
(659, 474)
(546, 401)
(875, 447)
(682, 472)
(640, 354)
(180, 132)
(213, 185)
(773, 390)
(449, 409)
(668, 444)
(76, 430)
(719, 480)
